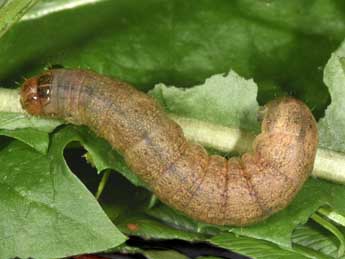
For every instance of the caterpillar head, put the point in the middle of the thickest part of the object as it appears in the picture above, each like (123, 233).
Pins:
(35, 93)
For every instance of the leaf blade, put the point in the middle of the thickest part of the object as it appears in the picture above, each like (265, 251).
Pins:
(12, 11)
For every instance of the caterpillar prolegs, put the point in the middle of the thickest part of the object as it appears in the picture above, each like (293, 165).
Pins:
(238, 191)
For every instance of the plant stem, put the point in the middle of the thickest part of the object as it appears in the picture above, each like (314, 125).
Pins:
(215, 136)
(9, 101)
(328, 165)
(102, 183)
(332, 215)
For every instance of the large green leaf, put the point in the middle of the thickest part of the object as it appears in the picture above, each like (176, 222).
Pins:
(103, 156)
(45, 211)
(283, 45)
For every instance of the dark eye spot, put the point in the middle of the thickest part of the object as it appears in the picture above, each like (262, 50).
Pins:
(43, 92)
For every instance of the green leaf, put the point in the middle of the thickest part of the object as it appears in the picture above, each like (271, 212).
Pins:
(137, 224)
(174, 218)
(31, 130)
(282, 50)
(34, 132)
(46, 211)
(331, 127)
(102, 154)
(12, 121)
(333, 229)
(151, 254)
(227, 100)
(253, 248)
(34, 138)
(11, 11)
(316, 238)
(166, 254)
(47, 7)
(278, 228)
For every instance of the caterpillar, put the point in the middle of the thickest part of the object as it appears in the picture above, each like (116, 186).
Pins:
(209, 188)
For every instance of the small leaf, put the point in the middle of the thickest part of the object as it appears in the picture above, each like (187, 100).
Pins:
(331, 127)
(103, 156)
(228, 100)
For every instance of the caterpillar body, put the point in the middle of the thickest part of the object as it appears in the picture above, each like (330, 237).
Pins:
(238, 191)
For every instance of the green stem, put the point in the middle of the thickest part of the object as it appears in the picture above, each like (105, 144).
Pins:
(328, 165)
(102, 183)
(9, 101)
(215, 136)
(153, 201)
(332, 215)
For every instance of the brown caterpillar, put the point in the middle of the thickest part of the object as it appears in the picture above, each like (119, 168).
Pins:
(238, 191)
